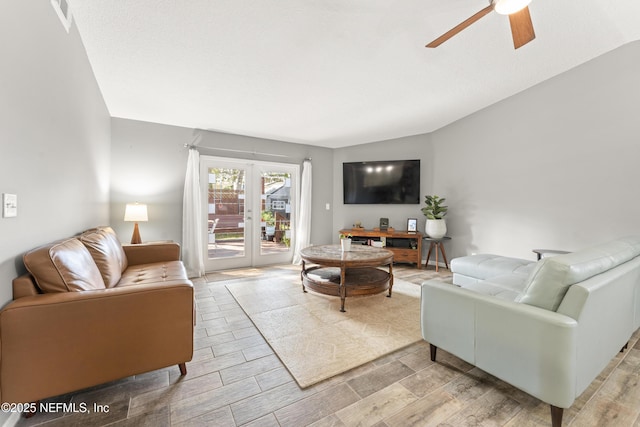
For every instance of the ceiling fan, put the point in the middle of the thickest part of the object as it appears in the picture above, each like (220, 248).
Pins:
(519, 18)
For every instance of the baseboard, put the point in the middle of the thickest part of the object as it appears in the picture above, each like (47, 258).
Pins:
(432, 263)
(13, 419)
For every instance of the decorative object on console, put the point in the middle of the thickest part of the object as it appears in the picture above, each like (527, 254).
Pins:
(388, 230)
(412, 225)
(435, 225)
(384, 224)
(136, 212)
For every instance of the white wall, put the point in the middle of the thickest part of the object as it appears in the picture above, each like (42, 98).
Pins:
(556, 166)
(54, 135)
(149, 163)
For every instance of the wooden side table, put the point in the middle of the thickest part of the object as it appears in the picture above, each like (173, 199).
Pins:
(541, 253)
(437, 245)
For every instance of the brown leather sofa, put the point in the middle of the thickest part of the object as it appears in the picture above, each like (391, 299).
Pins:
(91, 311)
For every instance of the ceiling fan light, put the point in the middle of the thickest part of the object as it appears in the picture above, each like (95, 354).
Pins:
(507, 7)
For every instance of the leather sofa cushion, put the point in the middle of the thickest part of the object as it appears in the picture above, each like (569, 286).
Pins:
(63, 266)
(106, 250)
(485, 266)
(551, 278)
(153, 273)
(507, 287)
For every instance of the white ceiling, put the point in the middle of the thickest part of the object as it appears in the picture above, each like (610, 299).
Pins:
(331, 73)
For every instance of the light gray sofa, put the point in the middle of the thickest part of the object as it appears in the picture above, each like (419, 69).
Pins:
(547, 327)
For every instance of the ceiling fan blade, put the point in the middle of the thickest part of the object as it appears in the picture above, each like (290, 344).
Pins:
(455, 30)
(521, 28)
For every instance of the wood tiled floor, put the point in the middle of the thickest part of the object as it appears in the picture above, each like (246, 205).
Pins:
(235, 379)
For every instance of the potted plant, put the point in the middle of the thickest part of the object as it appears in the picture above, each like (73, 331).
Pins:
(287, 230)
(435, 211)
(270, 224)
(345, 242)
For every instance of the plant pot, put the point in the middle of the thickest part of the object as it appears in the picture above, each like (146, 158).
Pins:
(346, 245)
(435, 228)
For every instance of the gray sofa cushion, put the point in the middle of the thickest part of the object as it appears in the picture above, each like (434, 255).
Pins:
(474, 268)
(506, 287)
(551, 277)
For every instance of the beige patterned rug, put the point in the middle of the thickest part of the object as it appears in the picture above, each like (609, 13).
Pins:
(310, 335)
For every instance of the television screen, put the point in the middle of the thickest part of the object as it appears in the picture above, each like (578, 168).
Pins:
(381, 182)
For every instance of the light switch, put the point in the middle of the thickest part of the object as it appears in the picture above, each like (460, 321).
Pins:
(328, 206)
(9, 205)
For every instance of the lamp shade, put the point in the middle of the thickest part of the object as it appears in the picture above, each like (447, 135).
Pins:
(507, 7)
(136, 212)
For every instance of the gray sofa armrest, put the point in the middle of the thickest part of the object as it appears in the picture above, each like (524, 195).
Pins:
(529, 347)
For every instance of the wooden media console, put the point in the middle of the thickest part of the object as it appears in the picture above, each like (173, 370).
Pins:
(406, 246)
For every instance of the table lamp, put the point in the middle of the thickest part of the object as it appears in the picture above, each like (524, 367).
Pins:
(135, 212)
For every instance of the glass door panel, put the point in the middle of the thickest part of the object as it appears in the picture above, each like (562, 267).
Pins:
(275, 207)
(227, 238)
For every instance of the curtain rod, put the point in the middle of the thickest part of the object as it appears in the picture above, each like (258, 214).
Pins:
(196, 147)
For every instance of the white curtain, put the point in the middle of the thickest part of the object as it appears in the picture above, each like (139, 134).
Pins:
(192, 243)
(303, 227)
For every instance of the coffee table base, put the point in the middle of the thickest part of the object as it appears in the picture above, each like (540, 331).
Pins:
(347, 282)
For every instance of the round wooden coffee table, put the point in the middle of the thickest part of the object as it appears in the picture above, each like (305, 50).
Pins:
(349, 273)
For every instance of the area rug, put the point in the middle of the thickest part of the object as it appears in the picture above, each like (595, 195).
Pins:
(310, 335)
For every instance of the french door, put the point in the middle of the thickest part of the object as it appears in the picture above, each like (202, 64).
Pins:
(250, 210)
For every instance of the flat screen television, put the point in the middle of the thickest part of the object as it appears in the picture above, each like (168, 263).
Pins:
(381, 182)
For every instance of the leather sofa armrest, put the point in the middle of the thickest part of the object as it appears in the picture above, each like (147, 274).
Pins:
(60, 342)
(529, 347)
(147, 253)
(24, 286)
